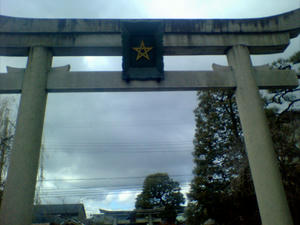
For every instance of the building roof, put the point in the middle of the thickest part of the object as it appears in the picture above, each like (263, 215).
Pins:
(126, 212)
(56, 213)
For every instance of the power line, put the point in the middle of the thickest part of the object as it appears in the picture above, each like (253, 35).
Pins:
(83, 194)
(143, 148)
(74, 193)
(95, 190)
(125, 152)
(104, 124)
(122, 143)
(109, 178)
(118, 186)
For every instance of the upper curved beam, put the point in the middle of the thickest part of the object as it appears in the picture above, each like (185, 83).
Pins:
(287, 22)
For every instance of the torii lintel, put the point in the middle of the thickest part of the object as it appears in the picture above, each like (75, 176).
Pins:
(102, 37)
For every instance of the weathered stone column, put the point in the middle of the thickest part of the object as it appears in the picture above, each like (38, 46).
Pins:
(269, 190)
(17, 203)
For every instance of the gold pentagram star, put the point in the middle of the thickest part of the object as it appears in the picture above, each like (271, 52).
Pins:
(142, 51)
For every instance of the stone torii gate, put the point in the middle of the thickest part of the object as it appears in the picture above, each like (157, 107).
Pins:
(40, 39)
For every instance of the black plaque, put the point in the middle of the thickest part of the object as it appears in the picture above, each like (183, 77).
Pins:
(142, 51)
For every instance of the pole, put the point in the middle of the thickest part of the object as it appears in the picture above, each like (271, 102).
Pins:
(272, 203)
(17, 203)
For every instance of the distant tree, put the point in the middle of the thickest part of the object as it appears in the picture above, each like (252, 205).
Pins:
(6, 137)
(160, 191)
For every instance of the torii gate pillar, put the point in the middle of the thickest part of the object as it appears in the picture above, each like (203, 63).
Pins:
(27, 142)
(266, 177)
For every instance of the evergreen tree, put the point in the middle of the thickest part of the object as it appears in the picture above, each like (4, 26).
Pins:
(222, 188)
(161, 192)
(219, 154)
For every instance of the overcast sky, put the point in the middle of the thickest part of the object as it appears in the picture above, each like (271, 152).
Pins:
(100, 146)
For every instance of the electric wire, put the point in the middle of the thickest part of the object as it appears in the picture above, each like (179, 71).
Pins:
(101, 190)
(109, 178)
(109, 187)
(94, 192)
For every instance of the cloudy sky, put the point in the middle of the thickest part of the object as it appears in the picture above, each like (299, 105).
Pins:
(98, 147)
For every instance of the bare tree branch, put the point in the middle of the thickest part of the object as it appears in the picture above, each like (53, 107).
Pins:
(290, 105)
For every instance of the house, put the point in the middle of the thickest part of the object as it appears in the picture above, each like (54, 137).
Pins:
(139, 216)
(59, 214)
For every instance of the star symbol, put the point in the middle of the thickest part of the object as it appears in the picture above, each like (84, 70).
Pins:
(142, 51)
